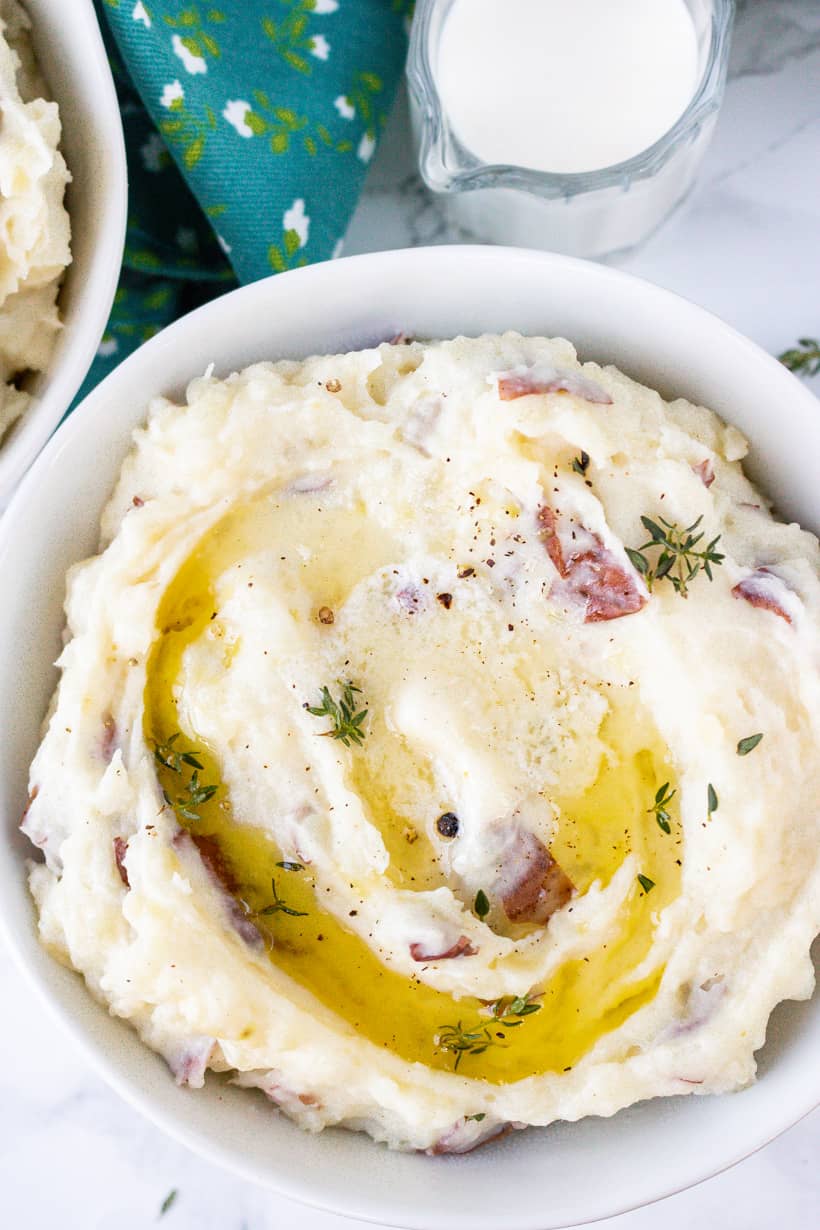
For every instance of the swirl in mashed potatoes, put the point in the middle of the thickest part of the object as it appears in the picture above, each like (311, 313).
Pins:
(34, 226)
(394, 772)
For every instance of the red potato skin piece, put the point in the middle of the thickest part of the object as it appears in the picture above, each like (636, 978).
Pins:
(539, 888)
(309, 484)
(756, 590)
(35, 790)
(548, 532)
(514, 385)
(705, 471)
(280, 1094)
(212, 856)
(410, 599)
(221, 872)
(461, 948)
(448, 1146)
(593, 575)
(120, 850)
(189, 1063)
(108, 743)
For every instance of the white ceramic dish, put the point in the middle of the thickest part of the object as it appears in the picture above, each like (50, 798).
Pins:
(73, 61)
(535, 1180)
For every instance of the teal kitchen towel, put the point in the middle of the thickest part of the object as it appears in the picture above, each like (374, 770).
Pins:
(249, 127)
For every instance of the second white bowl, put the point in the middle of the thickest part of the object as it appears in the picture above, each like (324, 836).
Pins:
(72, 59)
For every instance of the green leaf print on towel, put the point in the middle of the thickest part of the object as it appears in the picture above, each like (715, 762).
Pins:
(289, 34)
(182, 127)
(195, 36)
(282, 125)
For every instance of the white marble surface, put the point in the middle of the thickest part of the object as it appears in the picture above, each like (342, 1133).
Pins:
(747, 245)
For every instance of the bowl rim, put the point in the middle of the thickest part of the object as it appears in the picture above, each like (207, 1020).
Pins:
(67, 368)
(296, 1186)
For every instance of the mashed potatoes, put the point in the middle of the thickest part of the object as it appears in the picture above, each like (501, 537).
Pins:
(415, 759)
(34, 228)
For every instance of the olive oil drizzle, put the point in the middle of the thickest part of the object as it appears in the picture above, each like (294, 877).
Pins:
(583, 1001)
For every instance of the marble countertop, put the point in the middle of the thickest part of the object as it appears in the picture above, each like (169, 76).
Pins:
(746, 244)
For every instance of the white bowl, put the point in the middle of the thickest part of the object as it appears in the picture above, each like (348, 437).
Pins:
(534, 1180)
(72, 58)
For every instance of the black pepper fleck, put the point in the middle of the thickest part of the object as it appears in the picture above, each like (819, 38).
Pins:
(447, 824)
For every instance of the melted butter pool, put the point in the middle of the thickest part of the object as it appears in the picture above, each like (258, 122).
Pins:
(317, 950)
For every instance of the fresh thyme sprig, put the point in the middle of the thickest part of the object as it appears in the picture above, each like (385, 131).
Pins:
(663, 797)
(278, 906)
(194, 795)
(509, 1011)
(804, 358)
(460, 1041)
(678, 561)
(347, 722)
(172, 758)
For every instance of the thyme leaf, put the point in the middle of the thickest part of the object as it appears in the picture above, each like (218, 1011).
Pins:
(581, 464)
(663, 797)
(748, 744)
(646, 884)
(167, 1202)
(171, 757)
(278, 906)
(481, 906)
(346, 719)
(678, 561)
(287, 865)
(509, 1011)
(804, 358)
(460, 1041)
(711, 798)
(509, 1007)
(475, 1118)
(195, 794)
